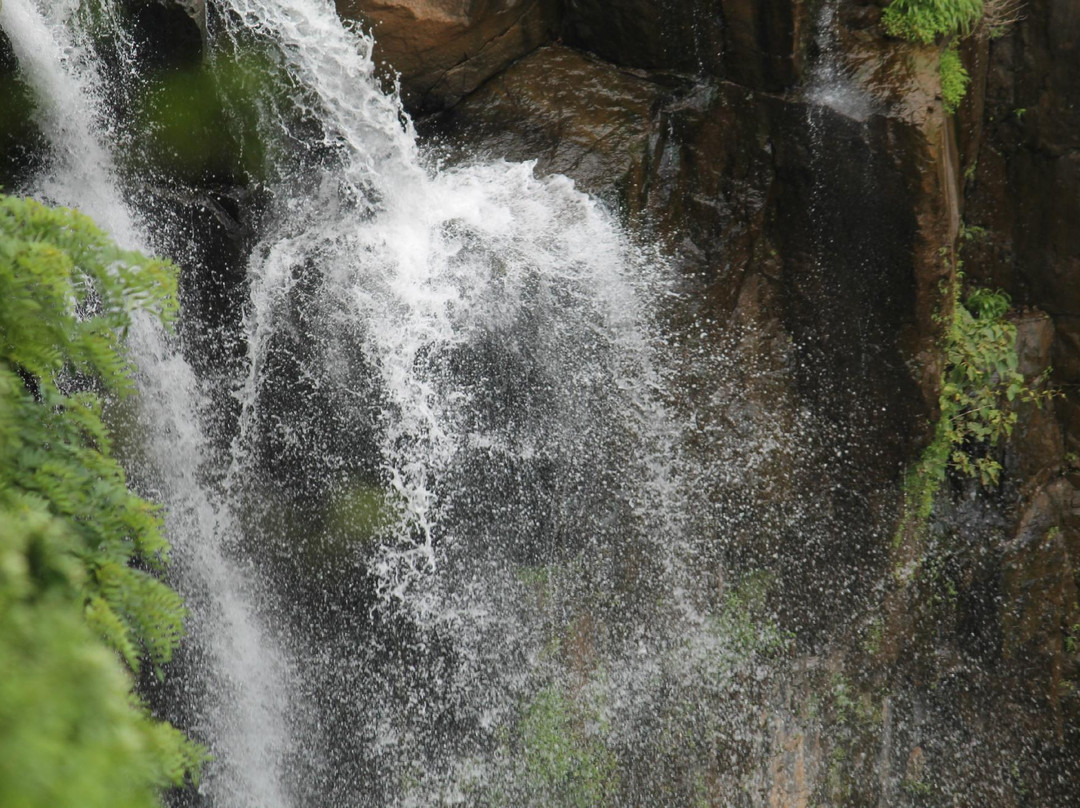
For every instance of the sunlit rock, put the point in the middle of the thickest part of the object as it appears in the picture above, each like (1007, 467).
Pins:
(443, 49)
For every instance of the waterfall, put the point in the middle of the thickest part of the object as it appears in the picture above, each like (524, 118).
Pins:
(56, 59)
(488, 334)
(456, 551)
(831, 83)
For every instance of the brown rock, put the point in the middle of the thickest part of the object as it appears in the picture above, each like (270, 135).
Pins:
(571, 113)
(445, 49)
(765, 43)
(1036, 446)
(759, 45)
(789, 785)
(1040, 608)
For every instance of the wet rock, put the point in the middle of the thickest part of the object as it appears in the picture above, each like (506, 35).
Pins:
(572, 113)
(649, 34)
(22, 146)
(759, 45)
(1036, 447)
(444, 49)
(765, 44)
(789, 785)
(1023, 181)
(1040, 611)
(169, 33)
(810, 240)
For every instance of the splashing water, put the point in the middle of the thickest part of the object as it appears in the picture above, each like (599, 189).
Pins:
(455, 489)
(831, 82)
(56, 60)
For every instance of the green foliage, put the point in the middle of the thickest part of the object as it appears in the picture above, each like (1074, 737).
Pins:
(1072, 639)
(925, 20)
(954, 78)
(744, 623)
(916, 788)
(71, 732)
(980, 386)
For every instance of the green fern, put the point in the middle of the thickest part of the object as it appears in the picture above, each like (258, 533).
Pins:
(954, 78)
(925, 20)
(73, 610)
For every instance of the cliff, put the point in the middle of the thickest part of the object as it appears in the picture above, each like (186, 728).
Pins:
(801, 166)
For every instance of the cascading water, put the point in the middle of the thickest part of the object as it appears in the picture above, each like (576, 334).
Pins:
(57, 60)
(831, 82)
(455, 488)
(485, 337)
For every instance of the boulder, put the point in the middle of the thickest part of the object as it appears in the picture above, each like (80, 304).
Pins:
(442, 50)
(572, 113)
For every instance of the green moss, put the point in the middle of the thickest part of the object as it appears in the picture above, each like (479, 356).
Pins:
(563, 750)
(359, 513)
(202, 123)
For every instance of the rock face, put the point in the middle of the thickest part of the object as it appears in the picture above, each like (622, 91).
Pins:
(572, 113)
(795, 221)
(444, 49)
(802, 170)
(759, 45)
(1022, 160)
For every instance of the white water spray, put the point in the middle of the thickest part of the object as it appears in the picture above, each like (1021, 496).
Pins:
(56, 61)
(492, 333)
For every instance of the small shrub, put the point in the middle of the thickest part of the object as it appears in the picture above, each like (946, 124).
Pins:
(980, 386)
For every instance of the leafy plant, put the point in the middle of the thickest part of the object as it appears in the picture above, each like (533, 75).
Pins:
(72, 733)
(980, 386)
(954, 78)
(925, 20)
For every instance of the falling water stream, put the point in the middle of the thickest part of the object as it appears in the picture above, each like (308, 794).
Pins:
(452, 555)
(56, 61)
(474, 499)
